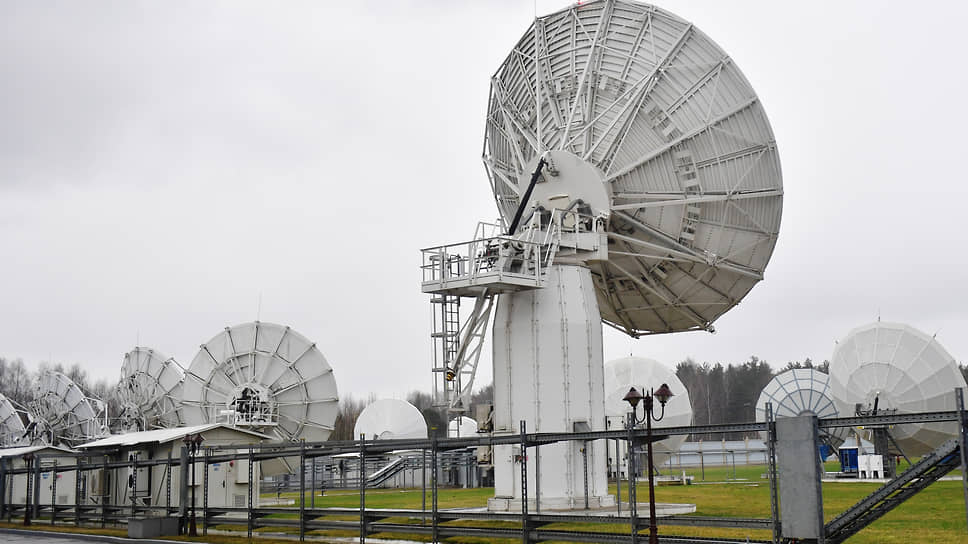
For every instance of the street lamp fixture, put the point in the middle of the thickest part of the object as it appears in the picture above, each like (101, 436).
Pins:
(633, 397)
(193, 443)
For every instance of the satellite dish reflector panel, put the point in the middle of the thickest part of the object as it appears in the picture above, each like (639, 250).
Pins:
(461, 426)
(645, 374)
(634, 99)
(388, 419)
(64, 413)
(150, 390)
(905, 370)
(264, 376)
(796, 392)
(12, 430)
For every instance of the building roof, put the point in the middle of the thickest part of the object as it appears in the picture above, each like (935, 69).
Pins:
(24, 450)
(161, 436)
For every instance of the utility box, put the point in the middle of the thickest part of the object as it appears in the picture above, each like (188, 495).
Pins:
(152, 527)
(870, 466)
(799, 471)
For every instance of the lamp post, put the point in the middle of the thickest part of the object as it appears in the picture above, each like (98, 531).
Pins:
(193, 443)
(633, 397)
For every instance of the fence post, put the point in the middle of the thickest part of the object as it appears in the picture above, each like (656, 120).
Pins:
(53, 494)
(362, 488)
(433, 488)
(423, 483)
(250, 521)
(77, 491)
(963, 427)
(205, 494)
(633, 499)
(168, 485)
(525, 536)
(771, 471)
(302, 490)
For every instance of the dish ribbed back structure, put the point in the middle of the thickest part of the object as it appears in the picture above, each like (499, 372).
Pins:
(149, 390)
(678, 138)
(12, 430)
(795, 392)
(265, 377)
(905, 370)
(63, 414)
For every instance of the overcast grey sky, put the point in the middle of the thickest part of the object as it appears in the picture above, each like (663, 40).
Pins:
(165, 164)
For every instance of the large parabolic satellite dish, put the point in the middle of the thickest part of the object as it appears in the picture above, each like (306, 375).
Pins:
(903, 369)
(63, 413)
(150, 390)
(664, 119)
(263, 376)
(643, 174)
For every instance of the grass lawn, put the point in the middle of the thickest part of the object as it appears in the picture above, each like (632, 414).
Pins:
(936, 515)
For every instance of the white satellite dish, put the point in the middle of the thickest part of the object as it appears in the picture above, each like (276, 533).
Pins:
(643, 106)
(462, 426)
(12, 429)
(63, 413)
(637, 172)
(900, 368)
(262, 376)
(796, 392)
(645, 374)
(149, 390)
(387, 419)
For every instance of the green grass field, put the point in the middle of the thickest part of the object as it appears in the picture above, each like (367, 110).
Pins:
(936, 515)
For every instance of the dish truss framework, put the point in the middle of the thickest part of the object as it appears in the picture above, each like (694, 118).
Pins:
(265, 377)
(62, 414)
(150, 390)
(798, 391)
(12, 429)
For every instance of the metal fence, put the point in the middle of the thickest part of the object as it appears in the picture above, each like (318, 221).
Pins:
(428, 521)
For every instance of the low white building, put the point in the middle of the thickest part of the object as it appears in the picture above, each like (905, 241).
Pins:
(228, 483)
(52, 486)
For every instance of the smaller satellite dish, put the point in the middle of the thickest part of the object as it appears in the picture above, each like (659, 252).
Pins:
(149, 390)
(645, 375)
(461, 426)
(388, 419)
(262, 376)
(63, 413)
(898, 368)
(12, 430)
(797, 392)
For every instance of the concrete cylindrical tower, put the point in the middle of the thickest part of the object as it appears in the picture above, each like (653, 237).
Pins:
(548, 371)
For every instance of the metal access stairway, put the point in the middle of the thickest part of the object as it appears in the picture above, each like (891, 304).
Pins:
(929, 469)
(392, 468)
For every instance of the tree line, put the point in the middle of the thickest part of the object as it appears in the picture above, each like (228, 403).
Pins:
(728, 394)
